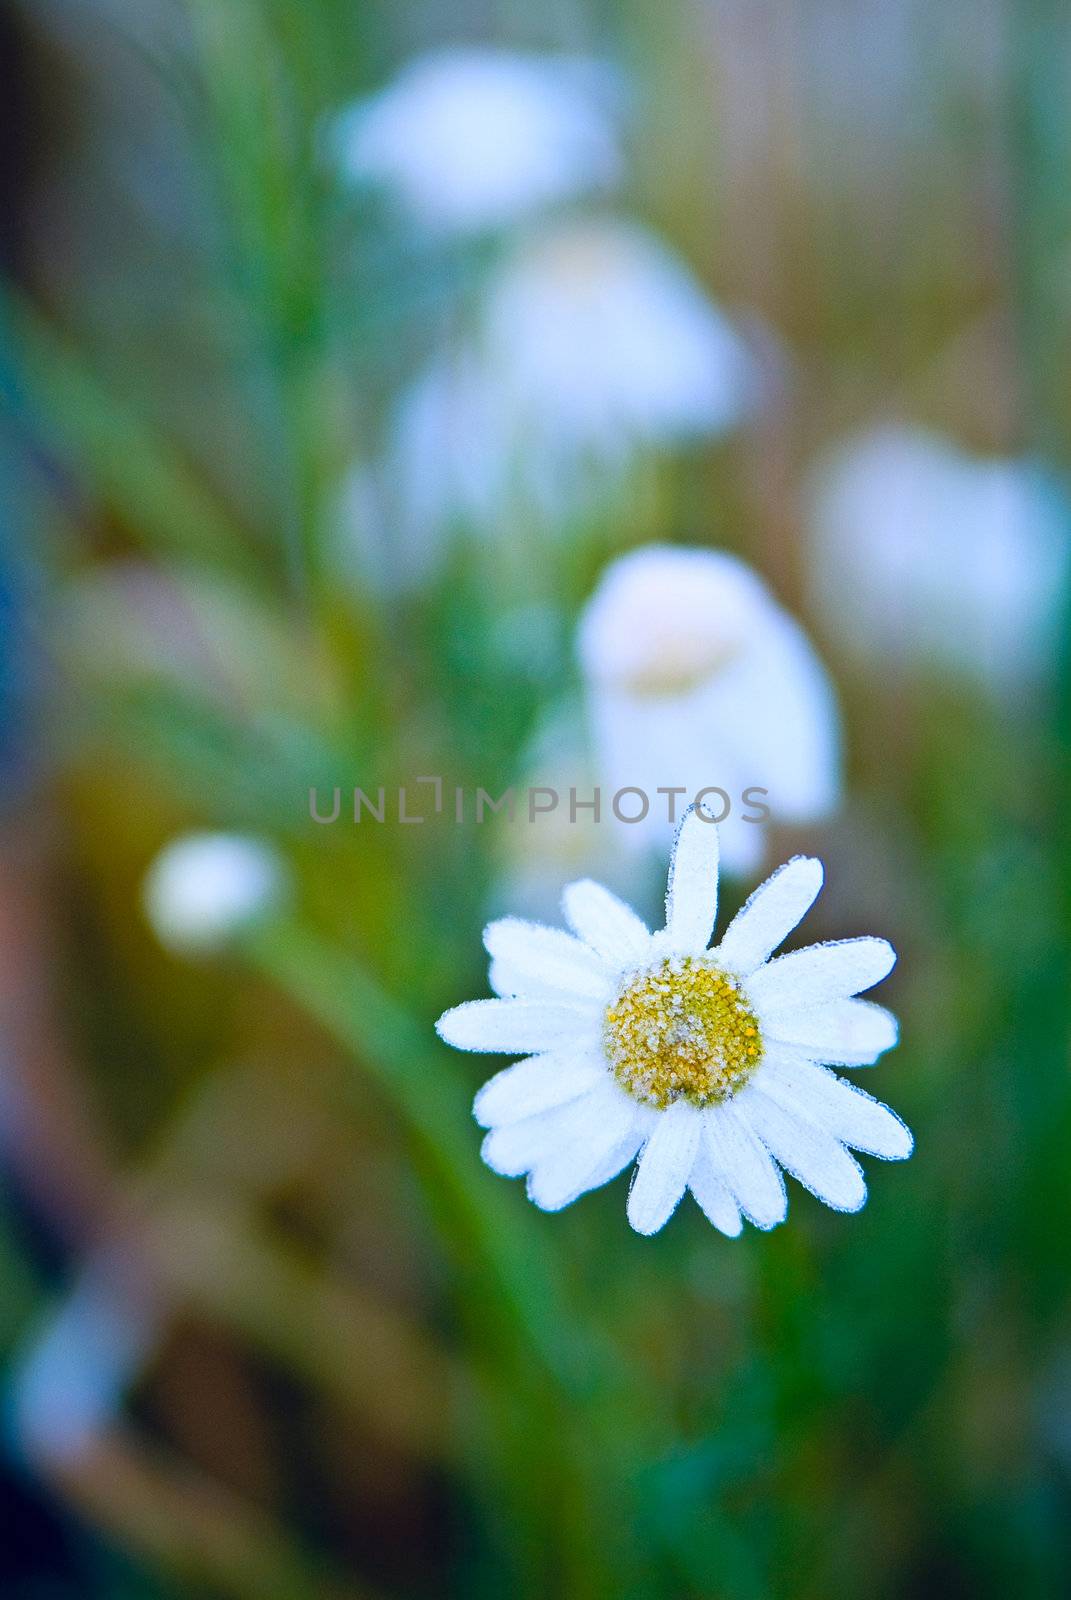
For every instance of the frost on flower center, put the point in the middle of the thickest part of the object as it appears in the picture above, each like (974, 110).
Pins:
(682, 1031)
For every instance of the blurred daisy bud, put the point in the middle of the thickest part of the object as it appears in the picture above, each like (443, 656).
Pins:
(478, 139)
(205, 888)
(696, 678)
(921, 552)
(599, 330)
(595, 343)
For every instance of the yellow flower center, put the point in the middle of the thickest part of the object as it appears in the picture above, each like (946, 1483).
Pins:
(676, 664)
(683, 1030)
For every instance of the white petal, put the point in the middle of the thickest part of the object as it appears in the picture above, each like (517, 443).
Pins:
(844, 1033)
(534, 1085)
(745, 1166)
(545, 959)
(664, 1168)
(849, 1114)
(774, 705)
(620, 1155)
(807, 1151)
(714, 1199)
(600, 1141)
(820, 972)
(517, 1026)
(516, 1147)
(604, 922)
(692, 896)
(770, 915)
(510, 984)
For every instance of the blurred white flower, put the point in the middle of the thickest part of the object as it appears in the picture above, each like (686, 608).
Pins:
(594, 342)
(204, 888)
(600, 332)
(921, 551)
(480, 138)
(696, 677)
(709, 1065)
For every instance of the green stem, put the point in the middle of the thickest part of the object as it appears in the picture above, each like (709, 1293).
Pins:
(487, 1222)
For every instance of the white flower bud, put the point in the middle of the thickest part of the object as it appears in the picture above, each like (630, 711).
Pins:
(204, 888)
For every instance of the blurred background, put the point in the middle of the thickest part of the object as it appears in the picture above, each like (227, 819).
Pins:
(345, 347)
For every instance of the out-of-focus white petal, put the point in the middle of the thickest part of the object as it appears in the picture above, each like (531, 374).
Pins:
(536, 1084)
(849, 1114)
(473, 139)
(843, 1033)
(664, 1168)
(921, 552)
(744, 1165)
(695, 679)
(770, 915)
(605, 340)
(517, 1026)
(692, 896)
(807, 1151)
(775, 705)
(592, 344)
(664, 618)
(818, 973)
(607, 924)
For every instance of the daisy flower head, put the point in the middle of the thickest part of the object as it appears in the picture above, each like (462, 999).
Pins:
(594, 346)
(709, 1065)
(599, 329)
(475, 139)
(695, 676)
(923, 552)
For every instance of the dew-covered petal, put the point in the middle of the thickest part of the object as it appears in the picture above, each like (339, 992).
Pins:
(664, 1168)
(607, 924)
(594, 1147)
(770, 914)
(622, 1154)
(535, 1085)
(807, 1151)
(713, 1198)
(692, 896)
(545, 959)
(516, 1147)
(511, 984)
(517, 1026)
(848, 1113)
(844, 1033)
(820, 972)
(745, 1166)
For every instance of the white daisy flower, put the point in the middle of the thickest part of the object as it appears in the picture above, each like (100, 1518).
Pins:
(599, 327)
(594, 343)
(694, 676)
(711, 1066)
(477, 139)
(921, 551)
(204, 888)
